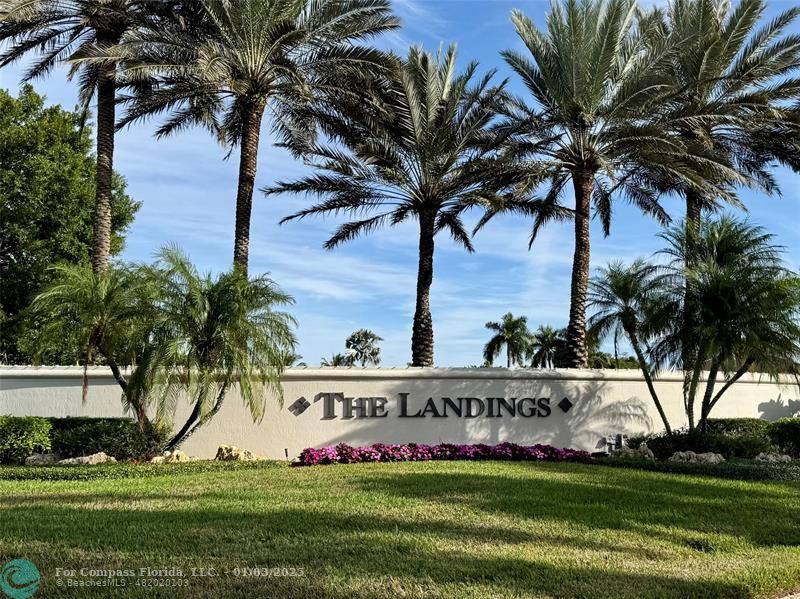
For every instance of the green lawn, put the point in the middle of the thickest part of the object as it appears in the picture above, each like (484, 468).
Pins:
(436, 529)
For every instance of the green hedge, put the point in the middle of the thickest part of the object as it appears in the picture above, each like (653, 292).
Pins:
(118, 437)
(73, 437)
(22, 436)
(731, 437)
(734, 469)
(785, 434)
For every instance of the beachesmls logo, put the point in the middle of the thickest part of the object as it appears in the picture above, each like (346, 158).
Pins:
(19, 579)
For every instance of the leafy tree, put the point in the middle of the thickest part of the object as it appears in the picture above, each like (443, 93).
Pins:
(209, 335)
(623, 296)
(233, 61)
(745, 304)
(600, 119)
(46, 195)
(544, 346)
(64, 31)
(362, 346)
(513, 334)
(337, 361)
(419, 149)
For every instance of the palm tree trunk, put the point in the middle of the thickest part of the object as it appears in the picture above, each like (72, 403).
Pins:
(508, 356)
(705, 407)
(689, 353)
(248, 163)
(743, 369)
(422, 333)
(637, 349)
(693, 213)
(577, 355)
(106, 119)
(188, 431)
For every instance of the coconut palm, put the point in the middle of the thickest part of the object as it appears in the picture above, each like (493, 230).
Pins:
(512, 334)
(624, 299)
(238, 60)
(746, 308)
(362, 345)
(210, 334)
(736, 86)
(544, 346)
(106, 314)
(598, 120)
(62, 31)
(419, 150)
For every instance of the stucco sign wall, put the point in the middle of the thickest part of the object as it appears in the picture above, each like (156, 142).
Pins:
(566, 408)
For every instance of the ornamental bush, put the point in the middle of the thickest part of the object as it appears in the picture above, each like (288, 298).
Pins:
(118, 437)
(746, 445)
(418, 452)
(785, 434)
(21, 437)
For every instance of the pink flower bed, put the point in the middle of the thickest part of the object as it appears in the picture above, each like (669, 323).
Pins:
(414, 452)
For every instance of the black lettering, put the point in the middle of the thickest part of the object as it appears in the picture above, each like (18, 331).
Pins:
(328, 404)
(449, 403)
(472, 401)
(510, 406)
(404, 407)
(430, 406)
(350, 405)
(544, 406)
(377, 407)
(521, 405)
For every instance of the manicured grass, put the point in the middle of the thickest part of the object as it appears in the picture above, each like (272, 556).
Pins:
(435, 529)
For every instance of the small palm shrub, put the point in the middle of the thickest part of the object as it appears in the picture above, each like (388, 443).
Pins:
(118, 437)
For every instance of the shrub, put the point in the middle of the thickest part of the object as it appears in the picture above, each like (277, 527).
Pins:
(734, 469)
(118, 437)
(734, 445)
(739, 426)
(416, 452)
(785, 434)
(22, 436)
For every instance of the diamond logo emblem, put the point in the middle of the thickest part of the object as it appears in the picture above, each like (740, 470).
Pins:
(299, 406)
(565, 405)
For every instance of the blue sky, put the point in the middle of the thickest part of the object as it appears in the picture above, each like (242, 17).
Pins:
(187, 192)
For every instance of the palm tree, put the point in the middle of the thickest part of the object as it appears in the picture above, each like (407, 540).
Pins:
(598, 121)
(420, 149)
(513, 334)
(746, 308)
(238, 60)
(735, 91)
(337, 360)
(544, 346)
(63, 31)
(106, 314)
(209, 335)
(362, 345)
(623, 297)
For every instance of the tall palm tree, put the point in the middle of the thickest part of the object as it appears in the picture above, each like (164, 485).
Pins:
(210, 335)
(63, 31)
(598, 120)
(237, 60)
(362, 345)
(746, 308)
(420, 149)
(624, 299)
(544, 346)
(736, 84)
(513, 334)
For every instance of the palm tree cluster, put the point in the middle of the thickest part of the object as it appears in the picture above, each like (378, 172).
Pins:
(178, 331)
(745, 308)
(699, 99)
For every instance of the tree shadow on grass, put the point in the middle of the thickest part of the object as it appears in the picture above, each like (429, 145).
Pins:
(342, 556)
